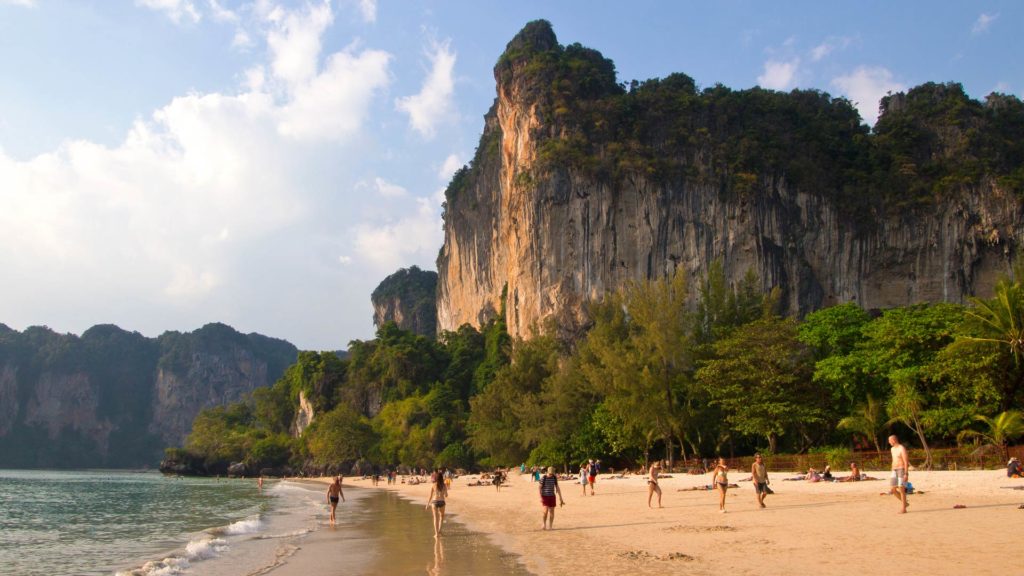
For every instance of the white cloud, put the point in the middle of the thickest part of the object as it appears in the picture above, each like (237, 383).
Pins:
(25, 3)
(448, 167)
(983, 23)
(200, 199)
(176, 10)
(434, 101)
(241, 40)
(413, 239)
(220, 13)
(294, 41)
(368, 8)
(332, 105)
(865, 86)
(389, 190)
(779, 75)
(830, 44)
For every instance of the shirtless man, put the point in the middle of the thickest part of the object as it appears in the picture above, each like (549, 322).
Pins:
(652, 484)
(333, 493)
(759, 474)
(900, 470)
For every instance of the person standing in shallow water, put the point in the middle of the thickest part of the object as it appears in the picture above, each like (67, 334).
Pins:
(548, 489)
(333, 493)
(438, 493)
(720, 481)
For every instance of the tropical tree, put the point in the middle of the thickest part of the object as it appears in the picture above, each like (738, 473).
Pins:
(761, 377)
(997, 327)
(906, 405)
(868, 420)
(998, 431)
(639, 356)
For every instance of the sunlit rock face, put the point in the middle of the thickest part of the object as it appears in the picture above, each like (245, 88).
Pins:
(553, 232)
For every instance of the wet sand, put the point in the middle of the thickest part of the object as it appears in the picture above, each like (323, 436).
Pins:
(825, 526)
(382, 532)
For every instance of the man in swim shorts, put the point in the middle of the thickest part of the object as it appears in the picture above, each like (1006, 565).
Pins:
(900, 470)
(333, 493)
(759, 474)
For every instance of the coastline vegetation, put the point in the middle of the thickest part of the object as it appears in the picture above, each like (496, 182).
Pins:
(651, 379)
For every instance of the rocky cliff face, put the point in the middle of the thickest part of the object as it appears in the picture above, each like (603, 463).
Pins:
(114, 398)
(556, 232)
(407, 298)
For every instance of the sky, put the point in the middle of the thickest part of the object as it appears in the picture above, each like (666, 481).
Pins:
(169, 163)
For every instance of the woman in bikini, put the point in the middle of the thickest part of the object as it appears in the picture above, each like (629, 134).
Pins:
(652, 484)
(720, 480)
(438, 492)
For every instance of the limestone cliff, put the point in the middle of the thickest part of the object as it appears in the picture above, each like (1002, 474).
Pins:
(115, 398)
(407, 298)
(580, 185)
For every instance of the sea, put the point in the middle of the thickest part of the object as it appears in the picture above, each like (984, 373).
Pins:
(118, 523)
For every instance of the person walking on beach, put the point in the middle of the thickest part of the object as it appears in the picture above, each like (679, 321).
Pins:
(900, 472)
(720, 481)
(591, 474)
(584, 476)
(333, 493)
(652, 484)
(759, 474)
(438, 493)
(548, 489)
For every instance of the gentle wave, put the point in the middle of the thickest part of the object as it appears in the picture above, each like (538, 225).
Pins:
(167, 567)
(247, 526)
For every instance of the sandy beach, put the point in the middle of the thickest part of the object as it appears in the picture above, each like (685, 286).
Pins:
(824, 526)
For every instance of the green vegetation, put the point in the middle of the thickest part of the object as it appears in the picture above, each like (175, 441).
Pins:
(651, 379)
(104, 383)
(416, 292)
(930, 143)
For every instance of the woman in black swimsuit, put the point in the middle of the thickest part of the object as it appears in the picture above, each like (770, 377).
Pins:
(438, 492)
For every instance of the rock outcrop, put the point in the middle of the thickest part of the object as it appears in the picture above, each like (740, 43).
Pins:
(409, 299)
(113, 398)
(579, 186)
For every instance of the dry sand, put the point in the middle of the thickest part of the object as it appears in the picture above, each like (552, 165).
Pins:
(822, 527)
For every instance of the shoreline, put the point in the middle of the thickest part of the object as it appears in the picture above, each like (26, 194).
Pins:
(819, 526)
(387, 533)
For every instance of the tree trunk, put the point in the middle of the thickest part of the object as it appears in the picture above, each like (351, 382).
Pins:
(773, 442)
(924, 444)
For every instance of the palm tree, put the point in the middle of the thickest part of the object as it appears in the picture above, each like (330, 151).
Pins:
(1000, 321)
(868, 419)
(999, 324)
(998, 431)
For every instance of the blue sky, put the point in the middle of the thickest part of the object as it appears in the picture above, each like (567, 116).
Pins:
(168, 163)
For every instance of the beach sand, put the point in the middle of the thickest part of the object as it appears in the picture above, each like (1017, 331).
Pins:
(816, 527)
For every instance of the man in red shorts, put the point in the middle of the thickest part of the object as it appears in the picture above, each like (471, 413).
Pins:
(591, 474)
(548, 489)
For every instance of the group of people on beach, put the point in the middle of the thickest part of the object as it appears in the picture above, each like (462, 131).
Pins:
(551, 494)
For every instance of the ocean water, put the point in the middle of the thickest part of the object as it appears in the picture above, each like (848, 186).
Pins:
(146, 524)
(107, 522)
